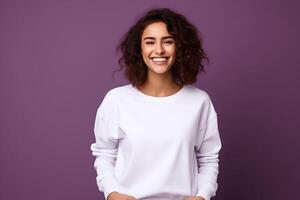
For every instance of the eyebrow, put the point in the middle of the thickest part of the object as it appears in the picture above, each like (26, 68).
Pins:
(153, 38)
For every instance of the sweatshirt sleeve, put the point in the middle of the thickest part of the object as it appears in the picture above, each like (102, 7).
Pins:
(207, 152)
(105, 147)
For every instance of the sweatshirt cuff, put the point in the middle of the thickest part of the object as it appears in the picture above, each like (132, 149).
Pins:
(204, 193)
(109, 186)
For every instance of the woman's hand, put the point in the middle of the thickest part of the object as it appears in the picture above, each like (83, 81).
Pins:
(194, 198)
(119, 196)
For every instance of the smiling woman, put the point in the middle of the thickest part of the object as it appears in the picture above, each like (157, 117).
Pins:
(158, 48)
(157, 138)
(189, 53)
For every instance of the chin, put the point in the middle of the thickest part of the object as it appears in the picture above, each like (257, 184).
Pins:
(160, 70)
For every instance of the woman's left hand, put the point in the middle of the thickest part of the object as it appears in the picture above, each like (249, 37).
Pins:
(194, 198)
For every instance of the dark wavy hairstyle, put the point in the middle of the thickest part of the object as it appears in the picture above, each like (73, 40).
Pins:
(189, 53)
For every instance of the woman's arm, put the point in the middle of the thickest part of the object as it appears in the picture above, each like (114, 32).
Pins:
(207, 153)
(208, 145)
(105, 148)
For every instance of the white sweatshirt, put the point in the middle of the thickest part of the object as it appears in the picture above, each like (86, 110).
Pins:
(157, 148)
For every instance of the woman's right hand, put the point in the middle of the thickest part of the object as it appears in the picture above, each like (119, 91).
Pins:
(119, 196)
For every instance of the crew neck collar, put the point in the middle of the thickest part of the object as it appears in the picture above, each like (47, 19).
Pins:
(154, 98)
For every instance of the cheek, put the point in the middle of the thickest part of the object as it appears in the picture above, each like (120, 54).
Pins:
(146, 52)
(171, 50)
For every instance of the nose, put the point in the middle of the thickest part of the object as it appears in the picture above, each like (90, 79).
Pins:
(159, 49)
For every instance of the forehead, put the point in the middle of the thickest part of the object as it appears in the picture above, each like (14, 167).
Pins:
(156, 29)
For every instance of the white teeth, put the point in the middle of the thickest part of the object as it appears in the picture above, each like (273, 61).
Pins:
(159, 59)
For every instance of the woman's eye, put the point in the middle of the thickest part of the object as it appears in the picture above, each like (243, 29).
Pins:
(149, 42)
(166, 42)
(169, 42)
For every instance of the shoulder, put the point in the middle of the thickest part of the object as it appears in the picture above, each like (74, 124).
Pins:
(119, 90)
(115, 93)
(200, 98)
(197, 93)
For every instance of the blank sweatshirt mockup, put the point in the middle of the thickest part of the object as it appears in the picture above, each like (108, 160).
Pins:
(157, 148)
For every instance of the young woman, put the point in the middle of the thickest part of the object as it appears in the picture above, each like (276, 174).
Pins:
(157, 138)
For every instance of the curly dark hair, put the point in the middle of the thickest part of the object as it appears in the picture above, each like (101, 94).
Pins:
(189, 53)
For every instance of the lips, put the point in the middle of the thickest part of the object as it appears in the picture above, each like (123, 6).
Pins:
(159, 60)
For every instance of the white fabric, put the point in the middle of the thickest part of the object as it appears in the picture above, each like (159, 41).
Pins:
(157, 148)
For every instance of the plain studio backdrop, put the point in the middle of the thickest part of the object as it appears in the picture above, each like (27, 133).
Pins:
(56, 64)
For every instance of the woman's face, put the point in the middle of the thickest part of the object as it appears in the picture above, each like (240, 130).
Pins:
(158, 48)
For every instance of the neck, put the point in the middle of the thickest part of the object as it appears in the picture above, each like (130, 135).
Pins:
(160, 85)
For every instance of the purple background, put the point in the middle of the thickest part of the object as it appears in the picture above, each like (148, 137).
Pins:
(57, 59)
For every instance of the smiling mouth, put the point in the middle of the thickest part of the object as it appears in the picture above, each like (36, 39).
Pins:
(160, 60)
